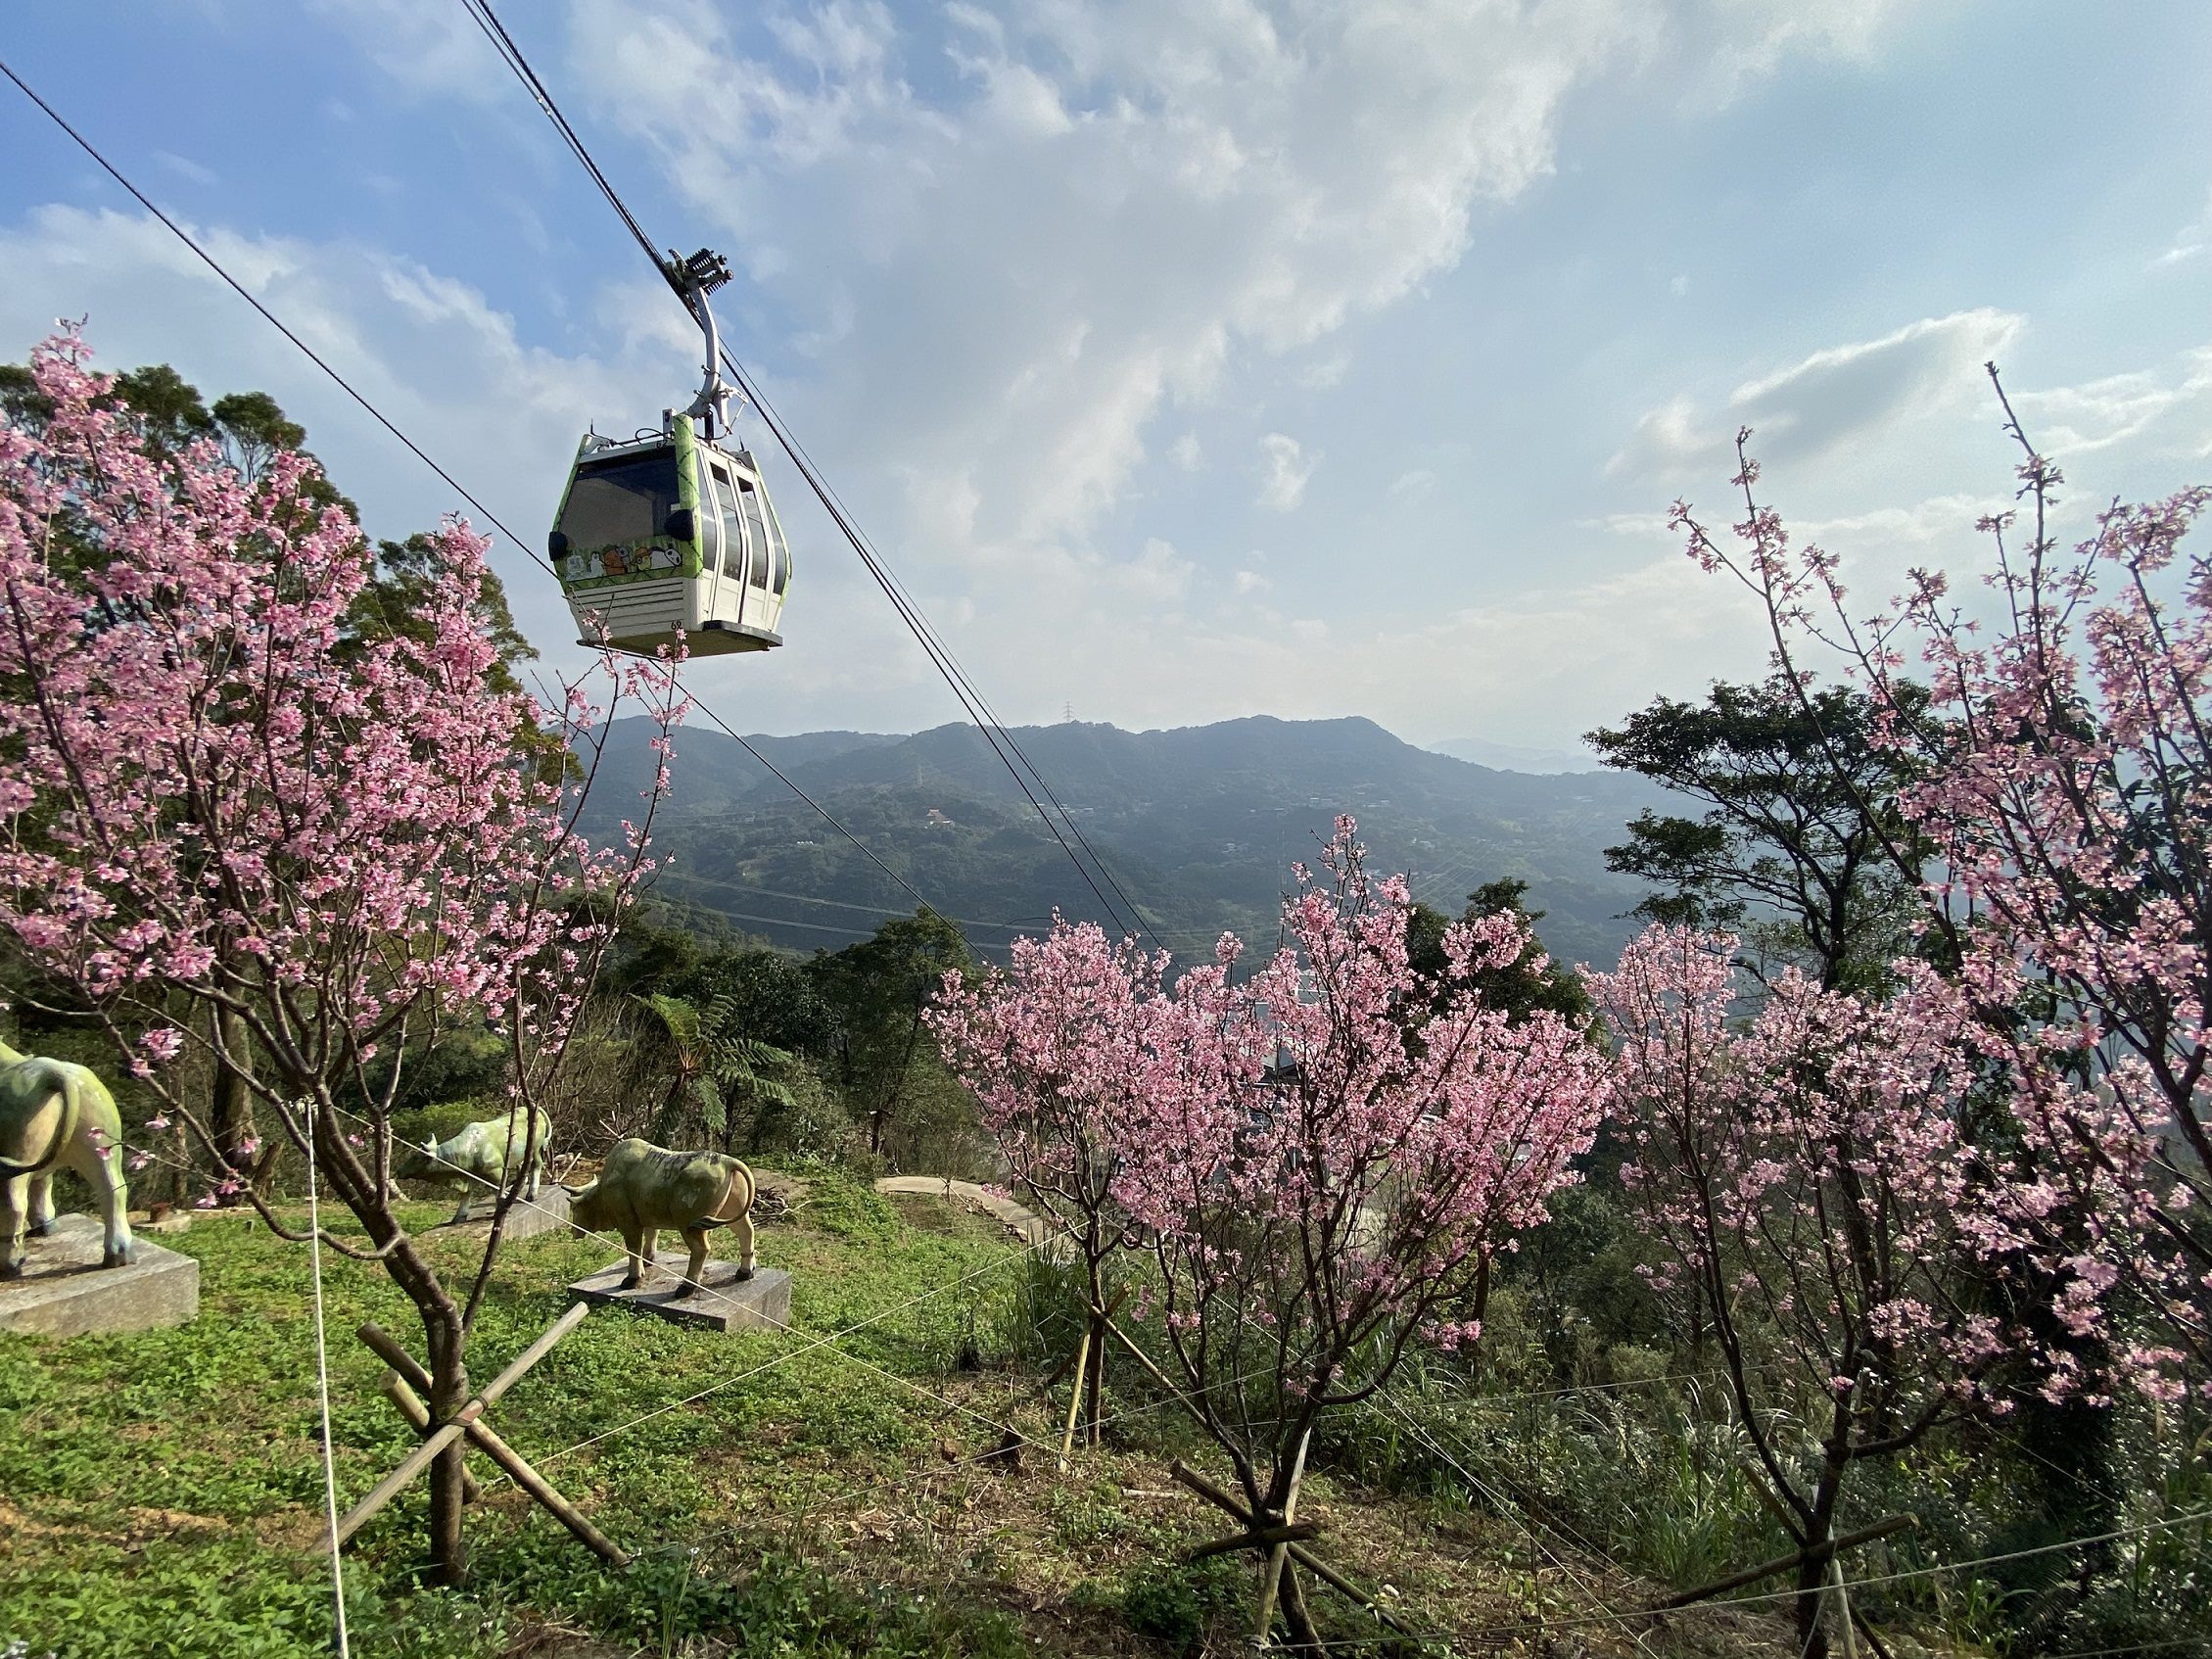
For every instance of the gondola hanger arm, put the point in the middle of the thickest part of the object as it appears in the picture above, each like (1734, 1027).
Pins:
(693, 279)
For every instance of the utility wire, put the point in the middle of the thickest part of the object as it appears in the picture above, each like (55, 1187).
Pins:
(730, 731)
(994, 732)
(343, 385)
(208, 259)
(972, 699)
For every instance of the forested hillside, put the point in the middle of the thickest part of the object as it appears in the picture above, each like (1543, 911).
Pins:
(1199, 824)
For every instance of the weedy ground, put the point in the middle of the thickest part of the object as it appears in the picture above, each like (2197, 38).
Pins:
(162, 1495)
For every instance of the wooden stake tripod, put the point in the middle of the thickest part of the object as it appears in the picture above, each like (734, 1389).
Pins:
(406, 1382)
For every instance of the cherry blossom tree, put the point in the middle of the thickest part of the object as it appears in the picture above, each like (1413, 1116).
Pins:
(1816, 1205)
(214, 811)
(1053, 1046)
(2062, 773)
(1328, 1158)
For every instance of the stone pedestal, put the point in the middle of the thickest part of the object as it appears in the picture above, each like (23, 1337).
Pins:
(530, 1219)
(761, 1303)
(65, 1291)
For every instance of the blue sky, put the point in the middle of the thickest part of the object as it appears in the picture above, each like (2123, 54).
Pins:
(1187, 359)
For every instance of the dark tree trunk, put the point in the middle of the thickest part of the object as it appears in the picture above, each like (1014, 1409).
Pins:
(448, 1392)
(1297, 1618)
(230, 1103)
(1811, 1630)
(1812, 1575)
(443, 1325)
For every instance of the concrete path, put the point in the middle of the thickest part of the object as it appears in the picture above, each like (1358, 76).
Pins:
(1027, 1224)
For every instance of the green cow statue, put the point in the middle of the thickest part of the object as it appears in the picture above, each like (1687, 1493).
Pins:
(57, 1116)
(643, 1188)
(475, 1158)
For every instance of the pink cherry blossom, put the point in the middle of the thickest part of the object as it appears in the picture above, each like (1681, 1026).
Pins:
(2064, 783)
(1323, 1179)
(336, 839)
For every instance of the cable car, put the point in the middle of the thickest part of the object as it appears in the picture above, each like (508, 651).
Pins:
(673, 530)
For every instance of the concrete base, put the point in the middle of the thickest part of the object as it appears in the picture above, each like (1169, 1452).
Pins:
(547, 1213)
(65, 1291)
(761, 1303)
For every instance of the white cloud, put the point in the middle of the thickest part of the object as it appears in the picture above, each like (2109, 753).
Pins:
(2098, 414)
(2194, 239)
(185, 168)
(1413, 484)
(1327, 374)
(1827, 399)
(1678, 285)
(430, 47)
(979, 272)
(1753, 36)
(1159, 574)
(1111, 204)
(1284, 469)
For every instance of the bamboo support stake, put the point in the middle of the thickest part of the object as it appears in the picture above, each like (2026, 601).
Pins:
(449, 1432)
(406, 1376)
(534, 1484)
(1303, 1557)
(411, 1465)
(1775, 1506)
(1074, 1398)
(1294, 1531)
(1145, 1361)
(1783, 1563)
(1842, 1606)
(1276, 1556)
(481, 1436)
(536, 1351)
(417, 1415)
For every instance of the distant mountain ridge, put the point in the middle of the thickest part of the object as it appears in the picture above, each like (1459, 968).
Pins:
(1512, 757)
(1197, 824)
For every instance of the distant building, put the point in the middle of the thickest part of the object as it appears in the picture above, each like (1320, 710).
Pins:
(938, 821)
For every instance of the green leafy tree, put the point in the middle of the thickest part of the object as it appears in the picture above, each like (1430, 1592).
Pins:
(885, 1059)
(1795, 845)
(1530, 983)
(772, 996)
(706, 1073)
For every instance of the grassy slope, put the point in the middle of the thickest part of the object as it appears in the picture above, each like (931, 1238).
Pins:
(161, 1494)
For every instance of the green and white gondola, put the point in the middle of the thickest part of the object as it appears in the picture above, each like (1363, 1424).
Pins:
(671, 532)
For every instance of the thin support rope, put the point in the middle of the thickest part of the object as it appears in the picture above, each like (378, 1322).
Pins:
(322, 1390)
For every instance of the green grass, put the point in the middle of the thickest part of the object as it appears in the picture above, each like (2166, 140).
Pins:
(160, 1493)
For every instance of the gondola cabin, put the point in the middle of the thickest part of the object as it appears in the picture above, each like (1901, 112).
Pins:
(670, 531)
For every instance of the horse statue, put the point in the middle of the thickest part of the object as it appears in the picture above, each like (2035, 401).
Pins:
(54, 1114)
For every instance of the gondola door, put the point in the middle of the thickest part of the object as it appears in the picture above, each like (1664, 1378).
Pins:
(727, 603)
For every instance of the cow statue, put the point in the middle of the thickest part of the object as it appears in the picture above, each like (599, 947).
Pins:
(57, 1116)
(643, 1188)
(478, 1156)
